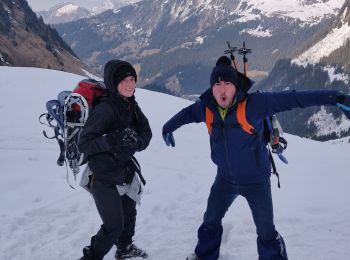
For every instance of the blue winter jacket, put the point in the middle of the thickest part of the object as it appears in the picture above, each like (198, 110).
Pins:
(243, 158)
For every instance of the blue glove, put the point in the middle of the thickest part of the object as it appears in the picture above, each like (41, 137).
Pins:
(169, 139)
(343, 101)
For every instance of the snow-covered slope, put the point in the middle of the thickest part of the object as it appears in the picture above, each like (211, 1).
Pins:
(337, 36)
(42, 218)
(335, 39)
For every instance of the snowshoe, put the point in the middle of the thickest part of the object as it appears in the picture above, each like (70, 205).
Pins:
(67, 116)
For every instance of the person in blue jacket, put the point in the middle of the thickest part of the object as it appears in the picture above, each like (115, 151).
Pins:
(242, 159)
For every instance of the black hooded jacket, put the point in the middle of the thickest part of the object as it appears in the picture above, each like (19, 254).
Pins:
(112, 113)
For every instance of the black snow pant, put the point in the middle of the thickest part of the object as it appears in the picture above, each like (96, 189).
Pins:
(118, 214)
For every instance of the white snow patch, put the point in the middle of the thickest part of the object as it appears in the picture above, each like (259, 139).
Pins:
(67, 10)
(180, 13)
(325, 123)
(7, 10)
(258, 32)
(199, 40)
(128, 26)
(344, 13)
(333, 76)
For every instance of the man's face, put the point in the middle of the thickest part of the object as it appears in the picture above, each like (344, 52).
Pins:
(224, 92)
(126, 87)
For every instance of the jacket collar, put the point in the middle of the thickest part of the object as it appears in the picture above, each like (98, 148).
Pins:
(122, 102)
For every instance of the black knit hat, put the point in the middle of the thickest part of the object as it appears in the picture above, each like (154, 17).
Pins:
(223, 71)
(123, 72)
(117, 70)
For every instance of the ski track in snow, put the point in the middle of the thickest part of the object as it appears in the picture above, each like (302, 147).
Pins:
(42, 218)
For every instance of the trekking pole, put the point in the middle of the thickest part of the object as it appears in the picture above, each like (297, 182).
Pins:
(244, 51)
(230, 51)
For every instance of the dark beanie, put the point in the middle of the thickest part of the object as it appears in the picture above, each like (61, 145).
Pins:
(223, 71)
(123, 72)
(117, 70)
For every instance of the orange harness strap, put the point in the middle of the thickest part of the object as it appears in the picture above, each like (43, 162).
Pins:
(209, 119)
(240, 114)
(242, 119)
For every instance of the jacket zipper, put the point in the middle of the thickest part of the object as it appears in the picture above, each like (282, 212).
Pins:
(227, 159)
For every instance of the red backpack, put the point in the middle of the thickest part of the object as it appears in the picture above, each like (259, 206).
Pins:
(90, 89)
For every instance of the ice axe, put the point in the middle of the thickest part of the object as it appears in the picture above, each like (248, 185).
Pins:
(244, 51)
(230, 51)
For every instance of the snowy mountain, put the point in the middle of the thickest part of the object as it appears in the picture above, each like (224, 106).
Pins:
(320, 123)
(336, 36)
(42, 218)
(74, 10)
(307, 11)
(27, 41)
(323, 63)
(175, 43)
(64, 12)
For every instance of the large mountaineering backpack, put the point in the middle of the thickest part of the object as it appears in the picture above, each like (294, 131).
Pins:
(67, 115)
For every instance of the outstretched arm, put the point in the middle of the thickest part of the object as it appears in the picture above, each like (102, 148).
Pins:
(265, 104)
(191, 114)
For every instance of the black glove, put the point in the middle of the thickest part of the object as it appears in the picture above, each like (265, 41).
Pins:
(343, 101)
(124, 142)
(129, 138)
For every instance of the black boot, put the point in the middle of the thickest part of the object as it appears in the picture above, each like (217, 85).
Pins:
(193, 256)
(88, 254)
(130, 251)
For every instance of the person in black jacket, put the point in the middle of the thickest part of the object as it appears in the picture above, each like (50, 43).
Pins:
(114, 131)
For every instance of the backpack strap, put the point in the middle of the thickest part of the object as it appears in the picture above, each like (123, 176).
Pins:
(242, 119)
(209, 119)
(138, 170)
(240, 114)
(274, 170)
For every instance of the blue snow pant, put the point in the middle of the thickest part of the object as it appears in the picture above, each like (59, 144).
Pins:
(269, 242)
